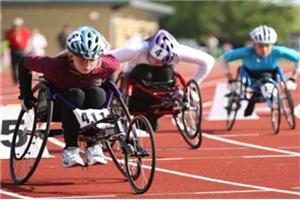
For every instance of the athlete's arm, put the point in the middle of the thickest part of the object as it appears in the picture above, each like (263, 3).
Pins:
(232, 55)
(128, 53)
(293, 56)
(225, 67)
(204, 61)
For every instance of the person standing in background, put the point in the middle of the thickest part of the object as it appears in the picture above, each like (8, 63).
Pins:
(18, 38)
(61, 37)
(38, 43)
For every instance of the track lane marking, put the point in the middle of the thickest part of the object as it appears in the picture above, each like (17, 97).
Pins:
(213, 137)
(11, 194)
(213, 179)
(171, 194)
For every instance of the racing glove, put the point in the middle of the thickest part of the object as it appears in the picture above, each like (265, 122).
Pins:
(232, 85)
(291, 84)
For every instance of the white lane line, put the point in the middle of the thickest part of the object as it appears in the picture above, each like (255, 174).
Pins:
(206, 104)
(56, 142)
(225, 182)
(224, 157)
(84, 197)
(240, 135)
(160, 194)
(231, 191)
(213, 179)
(213, 137)
(11, 194)
(269, 156)
(212, 83)
(297, 111)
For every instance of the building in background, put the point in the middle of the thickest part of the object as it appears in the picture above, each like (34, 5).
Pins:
(117, 20)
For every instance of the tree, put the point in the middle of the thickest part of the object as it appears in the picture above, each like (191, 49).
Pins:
(230, 21)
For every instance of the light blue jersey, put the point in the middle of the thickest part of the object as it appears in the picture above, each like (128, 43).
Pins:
(255, 63)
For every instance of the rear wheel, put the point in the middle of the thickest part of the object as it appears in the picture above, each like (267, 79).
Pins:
(30, 136)
(287, 106)
(188, 120)
(274, 103)
(141, 161)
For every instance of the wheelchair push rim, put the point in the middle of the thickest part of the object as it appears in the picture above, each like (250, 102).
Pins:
(32, 129)
(188, 120)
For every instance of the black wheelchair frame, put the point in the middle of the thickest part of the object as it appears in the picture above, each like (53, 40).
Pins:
(280, 103)
(134, 155)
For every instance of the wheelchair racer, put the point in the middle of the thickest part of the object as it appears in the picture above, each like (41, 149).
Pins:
(153, 60)
(261, 60)
(77, 73)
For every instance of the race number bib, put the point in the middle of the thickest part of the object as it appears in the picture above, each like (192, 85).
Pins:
(89, 116)
(158, 53)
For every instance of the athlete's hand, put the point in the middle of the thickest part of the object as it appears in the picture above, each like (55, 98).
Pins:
(232, 85)
(291, 84)
(28, 102)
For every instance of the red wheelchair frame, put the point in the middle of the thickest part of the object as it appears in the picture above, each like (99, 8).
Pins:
(173, 98)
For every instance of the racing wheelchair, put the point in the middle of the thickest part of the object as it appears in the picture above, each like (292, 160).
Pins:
(129, 140)
(274, 93)
(176, 97)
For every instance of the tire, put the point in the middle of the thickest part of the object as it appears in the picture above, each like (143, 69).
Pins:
(188, 120)
(274, 104)
(232, 108)
(141, 162)
(32, 130)
(119, 108)
(287, 107)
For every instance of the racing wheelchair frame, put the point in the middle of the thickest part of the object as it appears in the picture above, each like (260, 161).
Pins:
(279, 100)
(129, 140)
(177, 97)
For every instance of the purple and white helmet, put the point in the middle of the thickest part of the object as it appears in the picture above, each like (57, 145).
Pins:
(162, 47)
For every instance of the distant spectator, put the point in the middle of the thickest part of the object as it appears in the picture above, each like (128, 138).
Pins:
(19, 38)
(227, 46)
(61, 37)
(212, 44)
(38, 43)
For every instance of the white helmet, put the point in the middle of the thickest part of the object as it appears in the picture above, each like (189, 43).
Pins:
(264, 35)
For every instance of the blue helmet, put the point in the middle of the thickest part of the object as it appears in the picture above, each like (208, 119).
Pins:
(87, 43)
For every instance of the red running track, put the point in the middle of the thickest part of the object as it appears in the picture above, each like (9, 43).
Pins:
(247, 162)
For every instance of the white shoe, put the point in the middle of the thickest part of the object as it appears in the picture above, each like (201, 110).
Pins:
(71, 156)
(95, 155)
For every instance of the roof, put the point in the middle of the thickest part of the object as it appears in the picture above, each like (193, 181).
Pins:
(139, 4)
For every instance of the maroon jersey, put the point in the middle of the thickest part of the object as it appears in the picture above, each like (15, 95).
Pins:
(61, 72)
(18, 38)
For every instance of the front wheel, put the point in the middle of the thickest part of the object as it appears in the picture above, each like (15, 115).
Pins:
(119, 108)
(140, 160)
(30, 137)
